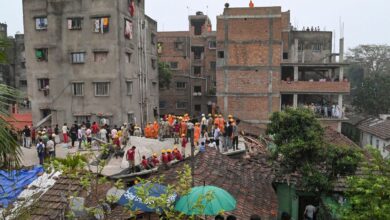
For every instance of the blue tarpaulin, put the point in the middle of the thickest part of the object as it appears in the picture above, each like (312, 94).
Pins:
(156, 190)
(14, 182)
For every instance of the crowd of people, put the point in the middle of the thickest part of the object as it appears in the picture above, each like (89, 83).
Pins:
(199, 131)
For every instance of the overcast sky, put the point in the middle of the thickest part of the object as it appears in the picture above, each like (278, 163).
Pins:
(365, 21)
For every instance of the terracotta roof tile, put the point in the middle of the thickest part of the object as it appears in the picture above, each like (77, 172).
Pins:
(377, 127)
(252, 190)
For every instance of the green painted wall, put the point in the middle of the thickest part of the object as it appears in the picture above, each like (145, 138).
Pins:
(288, 200)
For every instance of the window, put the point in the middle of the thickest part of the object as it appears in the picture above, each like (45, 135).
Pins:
(78, 89)
(23, 83)
(197, 70)
(221, 54)
(197, 88)
(317, 47)
(285, 56)
(78, 57)
(181, 85)
(153, 39)
(101, 25)
(100, 57)
(154, 63)
(179, 45)
(130, 118)
(197, 52)
(129, 85)
(128, 57)
(102, 89)
(41, 54)
(212, 44)
(173, 65)
(181, 105)
(300, 47)
(371, 137)
(213, 65)
(43, 84)
(163, 104)
(74, 23)
(198, 108)
(128, 29)
(41, 23)
(23, 65)
(82, 118)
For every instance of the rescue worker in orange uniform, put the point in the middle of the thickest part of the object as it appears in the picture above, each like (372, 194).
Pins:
(183, 127)
(197, 133)
(221, 124)
(155, 130)
(147, 130)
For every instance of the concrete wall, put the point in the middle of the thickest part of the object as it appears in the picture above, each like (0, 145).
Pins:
(61, 42)
(375, 142)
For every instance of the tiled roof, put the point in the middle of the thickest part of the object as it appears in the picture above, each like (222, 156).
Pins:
(18, 121)
(248, 181)
(333, 137)
(377, 127)
(53, 204)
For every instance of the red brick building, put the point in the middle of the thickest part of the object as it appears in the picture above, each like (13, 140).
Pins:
(265, 65)
(191, 57)
(256, 63)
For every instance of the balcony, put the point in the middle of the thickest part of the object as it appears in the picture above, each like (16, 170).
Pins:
(314, 87)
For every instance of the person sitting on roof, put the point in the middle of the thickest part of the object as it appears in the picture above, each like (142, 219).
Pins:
(177, 154)
(145, 163)
(170, 155)
(164, 157)
(155, 160)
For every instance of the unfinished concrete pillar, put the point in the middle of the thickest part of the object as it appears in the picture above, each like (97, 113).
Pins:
(295, 101)
(296, 73)
(341, 59)
(295, 54)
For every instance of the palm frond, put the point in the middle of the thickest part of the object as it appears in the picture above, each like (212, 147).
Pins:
(10, 151)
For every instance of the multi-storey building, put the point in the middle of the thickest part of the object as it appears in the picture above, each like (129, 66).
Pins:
(265, 65)
(13, 71)
(91, 60)
(191, 58)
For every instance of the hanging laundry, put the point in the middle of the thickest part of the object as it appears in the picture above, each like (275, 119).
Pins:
(70, 24)
(128, 29)
(131, 7)
(105, 23)
(97, 25)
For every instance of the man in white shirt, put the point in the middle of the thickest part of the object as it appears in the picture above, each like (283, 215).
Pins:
(310, 211)
(103, 134)
(50, 147)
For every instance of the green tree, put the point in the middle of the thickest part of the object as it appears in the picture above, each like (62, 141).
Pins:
(301, 148)
(372, 96)
(298, 135)
(374, 59)
(4, 44)
(164, 75)
(9, 149)
(368, 195)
